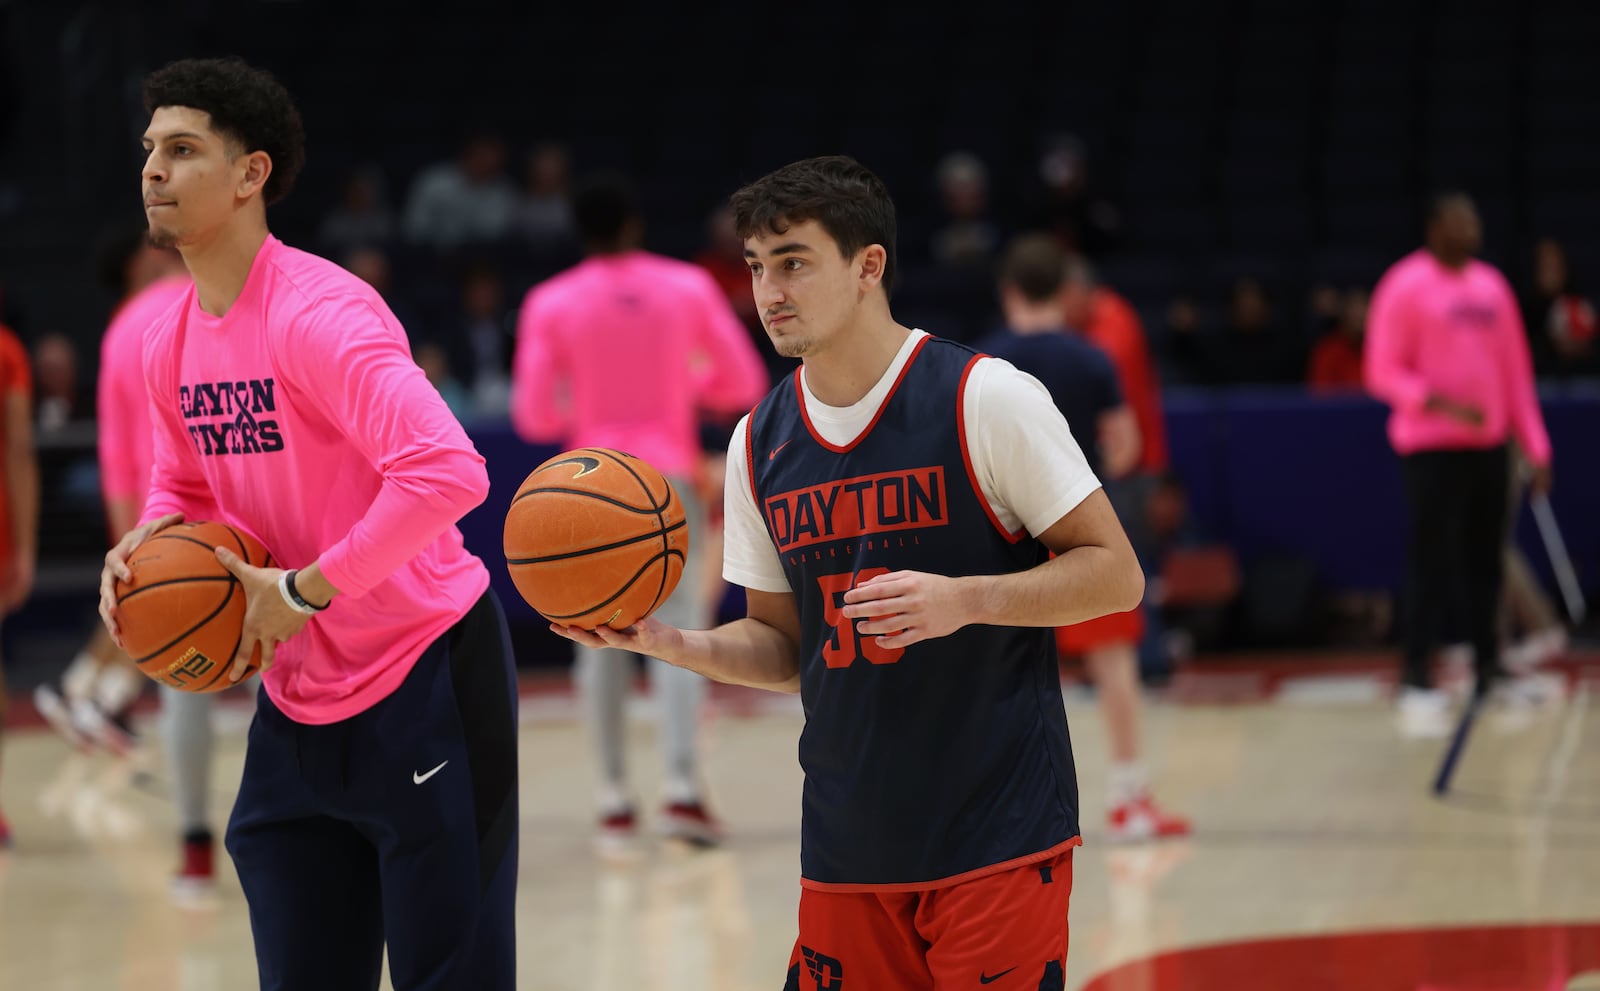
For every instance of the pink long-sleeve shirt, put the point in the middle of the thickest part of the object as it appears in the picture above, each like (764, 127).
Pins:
(1433, 330)
(300, 417)
(622, 350)
(124, 405)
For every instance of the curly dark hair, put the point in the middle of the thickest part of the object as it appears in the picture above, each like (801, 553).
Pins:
(247, 105)
(839, 193)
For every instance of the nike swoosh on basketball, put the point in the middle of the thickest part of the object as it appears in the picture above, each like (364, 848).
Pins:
(418, 777)
(780, 447)
(986, 979)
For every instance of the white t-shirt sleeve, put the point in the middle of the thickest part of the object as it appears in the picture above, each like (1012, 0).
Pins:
(1029, 466)
(748, 557)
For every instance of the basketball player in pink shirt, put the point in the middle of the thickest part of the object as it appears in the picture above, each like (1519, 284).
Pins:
(1447, 351)
(625, 350)
(101, 684)
(378, 802)
(91, 702)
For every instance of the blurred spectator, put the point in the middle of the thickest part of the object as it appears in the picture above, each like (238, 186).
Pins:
(1186, 341)
(1110, 323)
(1065, 203)
(59, 395)
(362, 219)
(544, 217)
(434, 361)
(1336, 359)
(1324, 307)
(481, 348)
(1561, 322)
(463, 201)
(723, 257)
(967, 238)
(371, 265)
(1255, 349)
(1447, 351)
(1252, 349)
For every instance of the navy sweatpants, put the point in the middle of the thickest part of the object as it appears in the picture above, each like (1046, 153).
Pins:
(397, 825)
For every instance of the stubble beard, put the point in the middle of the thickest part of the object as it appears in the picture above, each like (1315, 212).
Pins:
(792, 347)
(162, 237)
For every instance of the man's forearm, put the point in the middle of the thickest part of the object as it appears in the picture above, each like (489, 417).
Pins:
(1081, 584)
(744, 652)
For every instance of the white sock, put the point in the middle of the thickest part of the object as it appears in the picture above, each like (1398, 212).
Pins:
(612, 798)
(78, 681)
(117, 688)
(1127, 781)
(679, 791)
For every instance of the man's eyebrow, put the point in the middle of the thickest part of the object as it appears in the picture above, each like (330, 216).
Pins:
(792, 248)
(174, 136)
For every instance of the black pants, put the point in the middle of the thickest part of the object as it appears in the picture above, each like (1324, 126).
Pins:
(397, 825)
(1458, 527)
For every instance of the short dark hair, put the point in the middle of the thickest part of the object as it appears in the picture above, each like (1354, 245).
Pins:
(247, 106)
(1036, 266)
(839, 193)
(1440, 200)
(602, 206)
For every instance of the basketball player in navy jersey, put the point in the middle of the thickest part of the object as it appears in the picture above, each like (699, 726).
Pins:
(891, 509)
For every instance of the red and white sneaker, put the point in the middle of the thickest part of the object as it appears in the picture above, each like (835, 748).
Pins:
(1141, 820)
(114, 732)
(617, 831)
(196, 878)
(53, 706)
(692, 823)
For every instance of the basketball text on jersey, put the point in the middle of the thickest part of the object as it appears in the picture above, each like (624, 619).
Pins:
(224, 417)
(858, 507)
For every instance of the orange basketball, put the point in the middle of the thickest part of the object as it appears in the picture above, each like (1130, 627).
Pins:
(596, 537)
(183, 613)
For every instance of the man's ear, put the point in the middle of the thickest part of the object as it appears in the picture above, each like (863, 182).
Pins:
(871, 263)
(257, 169)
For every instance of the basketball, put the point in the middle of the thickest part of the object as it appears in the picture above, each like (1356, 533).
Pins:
(596, 537)
(183, 613)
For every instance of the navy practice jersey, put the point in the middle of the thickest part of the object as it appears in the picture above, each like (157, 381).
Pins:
(1078, 375)
(926, 763)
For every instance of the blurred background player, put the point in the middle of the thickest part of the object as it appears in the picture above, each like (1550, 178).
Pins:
(1084, 385)
(125, 464)
(1447, 351)
(19, 510)
(1109, 322)
(625, 350)
(92, 702)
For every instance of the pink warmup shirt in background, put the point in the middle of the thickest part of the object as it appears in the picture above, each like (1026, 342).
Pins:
(120, 394)
(1433, 330)
(607, 350)
(302, 412)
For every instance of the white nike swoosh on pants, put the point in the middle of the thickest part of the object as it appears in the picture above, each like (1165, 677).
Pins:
(418, 778)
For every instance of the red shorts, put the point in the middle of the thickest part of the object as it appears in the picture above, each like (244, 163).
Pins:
(1106, 631)
(1007, 931)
